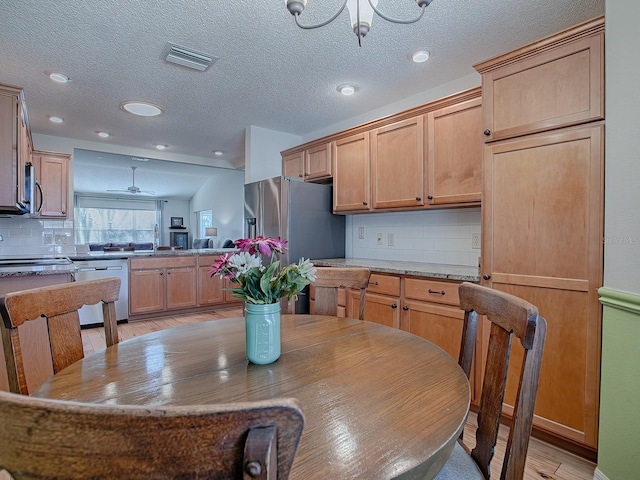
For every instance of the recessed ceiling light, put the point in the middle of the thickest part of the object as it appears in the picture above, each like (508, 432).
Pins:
(141, 108)
(347, 89)
(421, 56)
(56, 119)
(160, 146)
(59, 77)
(104, 134)
(217, 153)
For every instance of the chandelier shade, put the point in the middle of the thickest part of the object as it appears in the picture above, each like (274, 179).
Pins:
(360, 14)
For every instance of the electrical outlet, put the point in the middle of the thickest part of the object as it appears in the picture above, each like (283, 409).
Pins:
(390, 239)
(361, 233)
(475, 240)
(48, 239)
(380, 239)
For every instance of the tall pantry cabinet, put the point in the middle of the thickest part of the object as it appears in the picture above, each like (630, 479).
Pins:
(542, 209)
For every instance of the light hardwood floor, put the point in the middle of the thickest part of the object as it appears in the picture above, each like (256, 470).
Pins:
(544, 461)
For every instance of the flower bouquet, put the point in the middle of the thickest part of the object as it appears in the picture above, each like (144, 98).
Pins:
(263, 284)
(261, 287)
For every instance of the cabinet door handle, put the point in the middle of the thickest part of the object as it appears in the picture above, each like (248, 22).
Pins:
(161, 273)
(441, 292)
(430, 197)
(418, 199)
(487, 132)
(373, 283)
(39, 187)
(486, 276)
(365, 203)
(394, 305)
(405, 308)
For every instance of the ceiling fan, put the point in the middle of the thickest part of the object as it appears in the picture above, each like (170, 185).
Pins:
(133, 190)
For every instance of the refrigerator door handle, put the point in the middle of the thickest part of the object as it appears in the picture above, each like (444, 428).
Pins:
(251, 227)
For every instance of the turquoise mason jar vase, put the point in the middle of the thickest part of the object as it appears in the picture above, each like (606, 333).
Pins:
(262, 323)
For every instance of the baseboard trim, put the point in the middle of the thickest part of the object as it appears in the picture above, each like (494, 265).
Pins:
(598, 475)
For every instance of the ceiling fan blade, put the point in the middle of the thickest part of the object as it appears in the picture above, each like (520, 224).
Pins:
(133, 190)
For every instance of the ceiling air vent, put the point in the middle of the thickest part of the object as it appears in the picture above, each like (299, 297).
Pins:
(189, 58)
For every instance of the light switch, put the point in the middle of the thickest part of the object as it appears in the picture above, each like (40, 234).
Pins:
(380, 239)
(390, 239)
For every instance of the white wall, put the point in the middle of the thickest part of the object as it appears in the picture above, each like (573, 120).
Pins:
(175, 208)
(66, 145)
(224, 196)
(622, 166)
(464, 83)
(262, 152)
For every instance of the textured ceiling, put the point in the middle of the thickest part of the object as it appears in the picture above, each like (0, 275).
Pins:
(269, 73)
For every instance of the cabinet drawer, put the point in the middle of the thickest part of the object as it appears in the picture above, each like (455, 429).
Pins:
(207, 260)
(432, 291)
(162, 262)
(384, 284)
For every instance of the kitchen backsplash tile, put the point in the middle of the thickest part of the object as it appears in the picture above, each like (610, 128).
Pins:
(26, 237)
(443, 236)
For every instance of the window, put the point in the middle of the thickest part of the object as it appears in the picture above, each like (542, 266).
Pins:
(102, 220)
(205, 220)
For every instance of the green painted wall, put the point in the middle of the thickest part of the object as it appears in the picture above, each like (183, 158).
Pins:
(619, 440)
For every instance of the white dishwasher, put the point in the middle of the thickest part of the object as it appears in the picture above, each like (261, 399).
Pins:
(103, 268)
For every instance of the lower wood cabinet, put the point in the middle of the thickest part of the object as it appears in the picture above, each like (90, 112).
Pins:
(146, 290)
(162, 283)
(427, 308)
(212, 290)
(181, 287)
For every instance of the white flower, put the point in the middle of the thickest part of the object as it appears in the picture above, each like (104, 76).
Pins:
(243, 262)
(307, 270)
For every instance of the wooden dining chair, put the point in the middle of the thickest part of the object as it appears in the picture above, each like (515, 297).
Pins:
(62, 345)
(51, 439)
(509, 316)
(329, 280)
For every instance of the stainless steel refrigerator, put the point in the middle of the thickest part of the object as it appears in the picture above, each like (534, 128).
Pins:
(298, 212)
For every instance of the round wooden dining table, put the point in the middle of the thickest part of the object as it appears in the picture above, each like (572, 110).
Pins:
(378, 402)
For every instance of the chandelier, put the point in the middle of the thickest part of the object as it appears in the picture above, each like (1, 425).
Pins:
(360, 11)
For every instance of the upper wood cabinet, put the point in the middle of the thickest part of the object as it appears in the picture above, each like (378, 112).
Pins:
(351, 177)
(454, 153)
(397, 164)
(15, 150)
(52, 173)
(293, 165)
(538, 88)
(312, 164)
(317, 163)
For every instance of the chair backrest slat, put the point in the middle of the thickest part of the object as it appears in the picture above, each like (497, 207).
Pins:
(510, 317)
(59, 305)
(329, 280)
(78, 441)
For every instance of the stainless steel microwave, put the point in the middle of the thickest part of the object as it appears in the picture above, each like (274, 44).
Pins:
(27, 204)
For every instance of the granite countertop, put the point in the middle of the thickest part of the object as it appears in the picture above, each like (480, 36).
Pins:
(418, 269)
(148, 253)
(69, 267)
